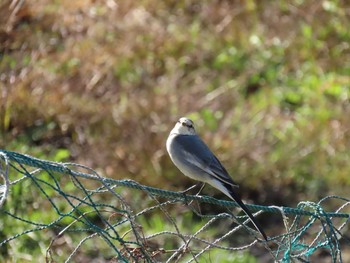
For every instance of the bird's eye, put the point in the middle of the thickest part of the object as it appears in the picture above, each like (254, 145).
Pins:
(187, 125)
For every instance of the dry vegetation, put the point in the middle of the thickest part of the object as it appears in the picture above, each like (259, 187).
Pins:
(267, 83)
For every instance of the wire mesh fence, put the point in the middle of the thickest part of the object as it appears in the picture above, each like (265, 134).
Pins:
(71, 213)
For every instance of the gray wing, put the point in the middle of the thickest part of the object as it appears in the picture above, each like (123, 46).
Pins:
(198, 154)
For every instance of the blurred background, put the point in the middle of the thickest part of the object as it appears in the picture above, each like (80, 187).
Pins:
(102, 82)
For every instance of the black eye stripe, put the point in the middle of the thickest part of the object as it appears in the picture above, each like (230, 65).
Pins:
(187, 125)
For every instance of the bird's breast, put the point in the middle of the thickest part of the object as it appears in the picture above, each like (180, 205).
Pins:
(177, 155)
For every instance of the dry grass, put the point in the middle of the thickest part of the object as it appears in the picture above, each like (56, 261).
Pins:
(266, 82)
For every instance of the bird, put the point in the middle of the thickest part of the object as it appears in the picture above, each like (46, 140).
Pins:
(194, 159)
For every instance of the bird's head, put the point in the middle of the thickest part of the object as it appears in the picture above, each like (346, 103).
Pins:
(184, 126)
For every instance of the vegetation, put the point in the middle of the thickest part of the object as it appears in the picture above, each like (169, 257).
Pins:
(101, 83)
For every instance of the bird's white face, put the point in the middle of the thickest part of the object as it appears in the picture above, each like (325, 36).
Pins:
(184, 126)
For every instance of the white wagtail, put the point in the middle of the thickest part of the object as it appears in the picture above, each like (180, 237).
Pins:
(195, 160)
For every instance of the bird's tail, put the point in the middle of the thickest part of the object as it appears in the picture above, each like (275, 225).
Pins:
(236, 198)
